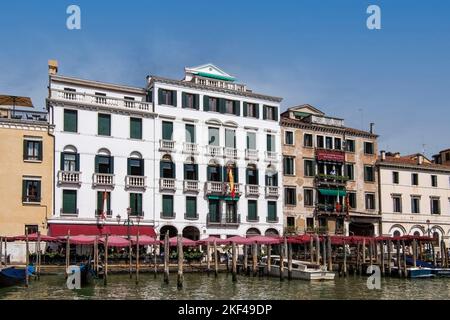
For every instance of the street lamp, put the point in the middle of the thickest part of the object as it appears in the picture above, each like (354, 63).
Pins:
(428, 226)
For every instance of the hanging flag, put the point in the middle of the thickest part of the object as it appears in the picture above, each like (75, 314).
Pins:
(231, 179)
(338, 204)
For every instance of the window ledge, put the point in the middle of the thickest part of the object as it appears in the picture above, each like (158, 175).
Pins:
(31, 203)
(166, 105)
(32, 161)
(70, 132)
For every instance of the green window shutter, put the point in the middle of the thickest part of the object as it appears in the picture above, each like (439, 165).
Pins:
(96, 164)
(167, 130)
(173, 170)
(111, 165)
(40, 151)
(128, 166)
(139, 204)
(61, 163)
(221, 105)
(183, 99)
(99, 201)
(191, 207)
(196, 101)
(25, 149)
(237, 107)
(70, 201)
(236, 175)
(244, 109)
(252, 209)
(272, 210)
(77, 162)
(142, 167)
(104, 124)
(70, 120)
(190, 133)
(269, 143)
(257, 176)
(167, 205)
(264, 112)
(205, 103)
(24, 189)
(135, 128)
(276, 113)
(257, 110)
(247, 172)
(161, 163)
(160, 96)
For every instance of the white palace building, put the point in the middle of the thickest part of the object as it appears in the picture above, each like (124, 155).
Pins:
(198, 156)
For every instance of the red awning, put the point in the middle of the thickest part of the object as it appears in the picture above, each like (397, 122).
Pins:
(265, 240)
(115, 241)
(211, 240)
(144, 240)
(240, 240)
(184, 241)
(56, 229)
(80, 239)
(34, 237)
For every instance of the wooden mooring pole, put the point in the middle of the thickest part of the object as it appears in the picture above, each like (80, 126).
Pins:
(345, 259)
(389, 248)
(255, 259)
(105, 272)
(27, 259)
(311, 249)
(317, 249)
(358, 257)
(130, 258)
(281, 262)
(382, 257)
(166, 257)
(6, 252)
(137, 258)
(269, 255)
(363, 252)
(414, 251)
(324, 248)
(399, 268)
(208, 258)
(1, 251)
(180, 276)
(67, 252)
(38, 269)
(290, 261)
(245, 259)
(216, 262)
(234, 261)
(155, 267)
(405, 271)
(329, 253)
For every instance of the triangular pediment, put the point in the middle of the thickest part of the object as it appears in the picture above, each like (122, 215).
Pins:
(307, 109)
(211, 71)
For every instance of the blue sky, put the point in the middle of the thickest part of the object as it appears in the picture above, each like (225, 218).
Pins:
(316, 52)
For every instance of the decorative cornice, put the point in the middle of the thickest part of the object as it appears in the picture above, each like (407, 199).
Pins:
(383, 164)
(25, 125)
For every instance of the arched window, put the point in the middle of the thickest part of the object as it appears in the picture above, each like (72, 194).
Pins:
(252, 175)
(135, 164)
(70, 159)
(104, 162)
(231, 165)
(213, 171)
(190, 169)
(167, 167)
(397, 233)
(271, 176)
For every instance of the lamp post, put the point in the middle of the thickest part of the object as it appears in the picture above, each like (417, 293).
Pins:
(428, 227)
(128, 222)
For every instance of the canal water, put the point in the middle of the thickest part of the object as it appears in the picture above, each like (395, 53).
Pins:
(200, 286)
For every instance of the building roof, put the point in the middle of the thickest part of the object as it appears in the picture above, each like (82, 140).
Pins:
(407, 162)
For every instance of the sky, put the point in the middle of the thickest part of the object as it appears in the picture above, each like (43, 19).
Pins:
(318, 52)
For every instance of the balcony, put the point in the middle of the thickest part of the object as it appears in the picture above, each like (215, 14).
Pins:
(230, 153)
(272, 219)
(93, 100)
(223, 221)
(213, 187)
(103, 180)
(168, 215)
(272, 192)
(331, 180)
(190, 216)
(167, 184)
(251, 190)
(330, 155)
(330, 209)
(166, 145)
(291, 230)
(213, 151)
(251, 154)
(271, 156)
(237, 188)
(135, 182)
(190, 148)
(98, 213)
(69, 177)
(190, 186)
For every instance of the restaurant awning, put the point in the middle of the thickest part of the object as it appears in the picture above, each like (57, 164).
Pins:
(59, 229)
(332, 192)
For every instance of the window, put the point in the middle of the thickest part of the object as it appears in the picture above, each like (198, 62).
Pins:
(309, 223)
(272, 211)
(329, 143)
(270, 113)
(191, 207)
(210, 104)
(104, 164)
(167, 169)
(32, 150)
(288, 166)
(370, 201)
(290, 222)
(308, 140)
(189, 100)
(214, 210)
(135, 167)
(290, 196)
(395, 177)
(369, 174)
(397, 203)
(415, 179)
(319, 141)
(230, 138)
(337, 143)
(350, 145)
(251, 110)
(69, 202)
(309, 168)
(308, 197)
(252, 210)
(70, 120)
(70, 161)
(289, 138)
(415, 204)
(190, 171)
(252, 176)
(104, 124)
(190, 133)
(101, 201)
(435, 205)
(271, 178)
(350, 171)
(434, 181)
(31, 191)
(352, 200)
(100, 98)
(31, 228)
(167, 130)
(70, 93)
(447, 156)
(251, 140)
(135, 128)
(136, 204)
(368, 148)
(271, 143)
(129, 101)
(213, 136)
(229, 106)
(167, 97)
(214, 173)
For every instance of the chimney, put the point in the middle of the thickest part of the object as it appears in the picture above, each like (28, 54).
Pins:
(371, 127)
(383, 155)
(52, 66)
(419, 159)
(397, 155)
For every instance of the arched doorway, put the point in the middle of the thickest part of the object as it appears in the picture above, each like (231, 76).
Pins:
(361, 229)
(191, 233)
(173, 232)
(397, 233)
(271, 232)
(253, 232)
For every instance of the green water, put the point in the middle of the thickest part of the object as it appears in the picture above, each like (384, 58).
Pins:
(200, 286)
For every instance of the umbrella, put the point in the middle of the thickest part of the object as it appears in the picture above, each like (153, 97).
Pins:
(15, 101)
(115, 241)
(184, 241)
(34, 237)
(264, 240)
(240, 240)
(144, 240)
(211, 239)
(79, 239)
